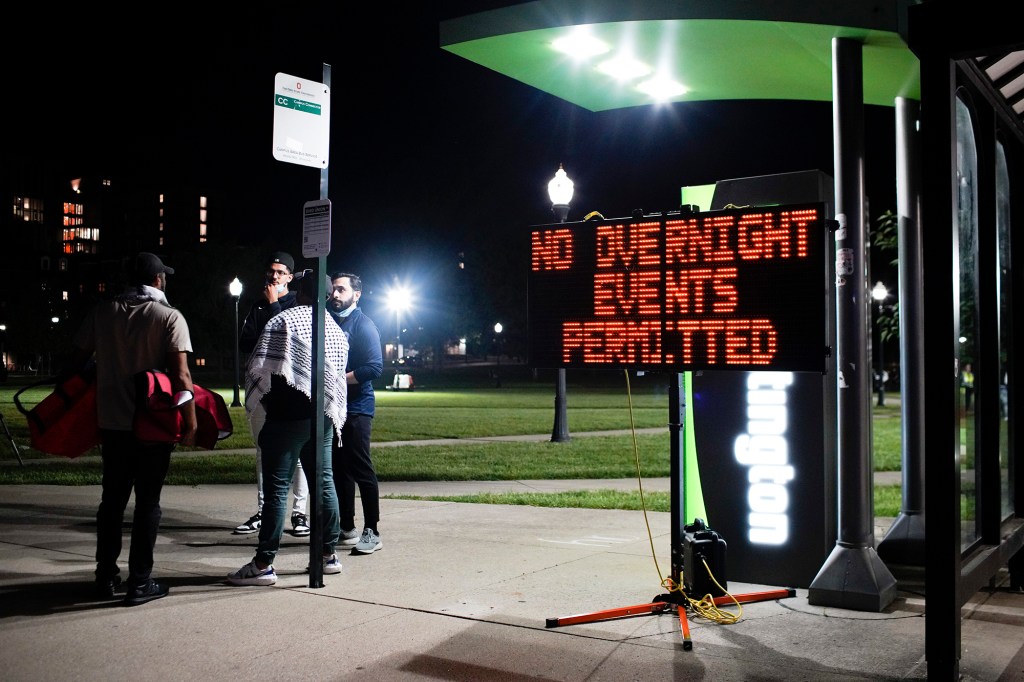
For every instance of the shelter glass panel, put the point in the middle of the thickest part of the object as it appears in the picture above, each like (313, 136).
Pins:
(1005, 346)
(967, 228)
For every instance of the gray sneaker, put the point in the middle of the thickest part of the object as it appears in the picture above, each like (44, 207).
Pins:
(369, 542)
(348, 537)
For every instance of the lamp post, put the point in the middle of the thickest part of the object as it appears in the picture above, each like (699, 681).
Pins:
(3, 352)
(880, 293)
(235, 288)
(560, 193)
(49, 354)
(497, 350)
(399, 299)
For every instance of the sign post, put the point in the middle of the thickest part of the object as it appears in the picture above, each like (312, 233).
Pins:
(302, 136)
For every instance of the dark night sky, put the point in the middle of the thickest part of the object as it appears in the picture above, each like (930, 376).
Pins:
(430, 154)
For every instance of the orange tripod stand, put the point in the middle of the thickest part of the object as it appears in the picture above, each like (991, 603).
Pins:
(663, 603)
(666, 602)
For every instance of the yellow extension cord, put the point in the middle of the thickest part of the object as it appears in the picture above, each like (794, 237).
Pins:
(704, 607)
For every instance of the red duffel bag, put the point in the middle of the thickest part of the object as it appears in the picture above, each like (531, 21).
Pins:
(158, 420)
(64, 422)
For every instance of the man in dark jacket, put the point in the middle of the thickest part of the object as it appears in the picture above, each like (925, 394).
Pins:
(352, 463)
(274, 299)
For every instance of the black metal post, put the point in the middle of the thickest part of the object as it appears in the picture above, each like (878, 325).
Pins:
(560, 429)
(853, 576)
(235, 402)
(881, 359)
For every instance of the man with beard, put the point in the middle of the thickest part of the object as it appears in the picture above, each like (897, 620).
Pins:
(352, 463)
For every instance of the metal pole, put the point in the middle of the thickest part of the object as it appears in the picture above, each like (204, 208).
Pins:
(853, 576)
(560, 429)
(235, 402)
(881, 359)
(318, 428)
(904, 541)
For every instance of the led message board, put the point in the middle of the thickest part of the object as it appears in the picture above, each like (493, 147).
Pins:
(732, 289)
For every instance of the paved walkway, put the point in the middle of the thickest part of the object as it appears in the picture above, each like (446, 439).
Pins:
(460, 592)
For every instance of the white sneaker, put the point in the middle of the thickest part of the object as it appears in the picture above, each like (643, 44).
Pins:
(251, 574)
(348, 537)
(332, 566)
(369, 542)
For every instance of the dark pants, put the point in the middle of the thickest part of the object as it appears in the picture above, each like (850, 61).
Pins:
(127, 465)
(352, 467)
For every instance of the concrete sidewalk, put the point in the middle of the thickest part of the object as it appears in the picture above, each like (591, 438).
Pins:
(459, 592)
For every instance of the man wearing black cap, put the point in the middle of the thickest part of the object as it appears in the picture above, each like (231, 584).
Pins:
(276, 298)
(136, 331)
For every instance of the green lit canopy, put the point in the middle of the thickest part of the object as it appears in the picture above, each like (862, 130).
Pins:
(717, 50)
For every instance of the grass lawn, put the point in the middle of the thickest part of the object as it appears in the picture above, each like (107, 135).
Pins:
(440, 411)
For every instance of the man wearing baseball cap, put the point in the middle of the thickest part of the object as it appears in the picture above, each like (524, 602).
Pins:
(136, 331)
(276, 298)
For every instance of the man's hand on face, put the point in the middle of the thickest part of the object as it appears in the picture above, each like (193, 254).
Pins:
(270, 292)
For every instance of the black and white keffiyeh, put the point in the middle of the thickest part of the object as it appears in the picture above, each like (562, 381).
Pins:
(284, 348)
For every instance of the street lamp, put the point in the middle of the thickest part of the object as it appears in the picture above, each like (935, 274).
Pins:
(497, 349)
(235, 289)
(880, 293)
(560, 193)
(3, 352)
(399, 299)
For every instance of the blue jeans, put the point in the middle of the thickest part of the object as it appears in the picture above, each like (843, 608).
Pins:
(284, 443)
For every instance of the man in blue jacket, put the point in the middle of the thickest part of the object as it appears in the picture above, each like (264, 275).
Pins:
(351, 461)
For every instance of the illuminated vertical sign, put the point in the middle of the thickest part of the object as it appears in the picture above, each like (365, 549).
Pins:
(765, 446)
(732, 289)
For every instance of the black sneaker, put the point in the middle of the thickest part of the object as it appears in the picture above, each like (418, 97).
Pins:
(300, 525)
(148, 591)
(250, 526)
(107, 587)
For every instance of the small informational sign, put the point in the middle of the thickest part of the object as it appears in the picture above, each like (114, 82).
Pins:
(316, 228)
(737, 289)
(302, 121)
